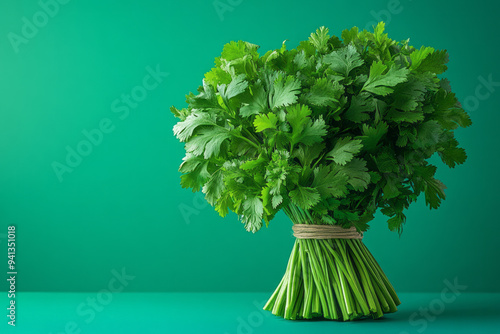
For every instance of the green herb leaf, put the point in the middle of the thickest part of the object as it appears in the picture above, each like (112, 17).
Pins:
(344, 60)
(330, 181)
(263, 122)
(344, 150)
(253, 211)
(305, 197)
(258, 103)
(358, 174)
(381, 84)
(284, 91)
(324, 92)
(320, 39)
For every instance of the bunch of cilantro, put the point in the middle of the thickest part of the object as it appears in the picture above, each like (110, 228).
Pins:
(335, 127)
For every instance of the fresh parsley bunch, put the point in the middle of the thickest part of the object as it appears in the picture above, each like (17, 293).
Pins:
(336, 127)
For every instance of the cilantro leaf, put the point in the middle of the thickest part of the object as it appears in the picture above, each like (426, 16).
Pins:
(447, 113)
(263, 122)
(237, 86)
(320, 39)
(451, 154)
(409, 95)
(284, 91)
(304, 130)
(324, 92)
(253, 211)
(344, 150)
(417, 56)
(373, 135)
(360, 106)
(344, 60)
(206, 98)
(313, 132)
(358, 174)
(405, 116)
(298, 116)
(396, 223)
(214, 187)
(428, 134)
(433, 188)
(234, 50)
(184, 130)
(305, 197)
(381, 84)
(428, 60)
(257, 104)
(435, 62)
(330, 181)
(391, 187)
(350, 35)
(207, 142)
(217, 76)
(306, 155)
(386, 162)
(196, 176)
(301, 60)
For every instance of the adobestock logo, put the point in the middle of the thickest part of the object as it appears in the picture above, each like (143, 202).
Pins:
(421, 319)
(394, 7)
(253, 321)
(83, 148)
(199, 203)
(31, 26)
(223, 6)
(483, 91)
(121, 107)
(88, 310)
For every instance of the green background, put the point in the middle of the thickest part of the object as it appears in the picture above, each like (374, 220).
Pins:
(122, 205)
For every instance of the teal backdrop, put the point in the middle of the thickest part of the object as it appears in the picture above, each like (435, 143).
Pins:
(89, 163)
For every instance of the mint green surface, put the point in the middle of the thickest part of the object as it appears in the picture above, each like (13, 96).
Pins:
(240, 313)
(121, 205)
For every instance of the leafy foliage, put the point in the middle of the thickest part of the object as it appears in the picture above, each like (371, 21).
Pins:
(335, 128)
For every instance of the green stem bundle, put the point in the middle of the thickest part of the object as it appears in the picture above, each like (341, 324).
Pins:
(337, 279)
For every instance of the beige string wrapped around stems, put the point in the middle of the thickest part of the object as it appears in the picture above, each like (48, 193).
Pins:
(309, 231)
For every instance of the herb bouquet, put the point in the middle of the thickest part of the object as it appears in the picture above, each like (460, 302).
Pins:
(329, 132)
